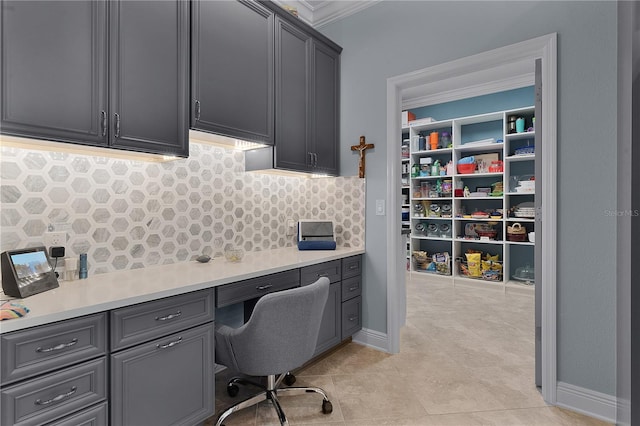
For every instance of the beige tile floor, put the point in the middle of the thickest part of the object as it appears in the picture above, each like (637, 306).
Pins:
(466, 358)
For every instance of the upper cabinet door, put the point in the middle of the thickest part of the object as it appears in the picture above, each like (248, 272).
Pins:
(232, 69)
(293, 100)
(54, 69)
(326, 108)
(149, 76)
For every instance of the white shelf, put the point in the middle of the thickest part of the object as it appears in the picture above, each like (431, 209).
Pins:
(521, 157)
(471, 219)
(517, 243)
(433, 199)
(520, 219)
(480, 147)
(478, 198)
(464, 240)
(478, 175)
(431, 177)
(421, 237)
(431, 218)
(433, 151)
(518, 136)
(520, 193)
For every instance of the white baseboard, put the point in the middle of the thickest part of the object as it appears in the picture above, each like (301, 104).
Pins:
(373, 339)
(586, 401)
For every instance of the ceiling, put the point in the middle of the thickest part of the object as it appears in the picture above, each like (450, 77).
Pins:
(318, 13)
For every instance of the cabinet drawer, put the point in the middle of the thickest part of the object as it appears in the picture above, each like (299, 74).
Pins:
(351, 316)
(94, 416)
(38, 350)
(351, 266)
(55, 395)
(351, 287)
(255, 287)
(146, 321)
(331, 270)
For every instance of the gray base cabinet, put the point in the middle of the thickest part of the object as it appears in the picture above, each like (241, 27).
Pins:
(331, 327)
(168, 381)
(343, 312)
(162, 361)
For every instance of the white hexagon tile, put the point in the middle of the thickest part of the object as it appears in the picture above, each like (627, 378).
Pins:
(132, 214)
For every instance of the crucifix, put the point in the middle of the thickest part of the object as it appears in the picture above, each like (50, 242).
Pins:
(361, 148)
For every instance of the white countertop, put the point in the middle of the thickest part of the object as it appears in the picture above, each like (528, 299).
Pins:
(117, 289)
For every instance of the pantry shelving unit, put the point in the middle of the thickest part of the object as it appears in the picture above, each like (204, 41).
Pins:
(443, 221)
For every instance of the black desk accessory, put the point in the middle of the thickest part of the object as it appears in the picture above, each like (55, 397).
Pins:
(26, 272)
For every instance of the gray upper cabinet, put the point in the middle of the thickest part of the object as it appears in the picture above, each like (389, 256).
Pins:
(54, 70)
(149, 76)
(326, 108)
(293, 50)
(97, 73)
(232, 74)
(307, 101)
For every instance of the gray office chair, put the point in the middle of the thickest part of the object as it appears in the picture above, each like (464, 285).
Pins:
(280, 335)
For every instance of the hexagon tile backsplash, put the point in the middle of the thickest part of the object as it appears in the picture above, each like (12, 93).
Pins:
(131, 214)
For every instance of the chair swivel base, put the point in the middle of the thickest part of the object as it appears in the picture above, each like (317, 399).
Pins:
(270, 393)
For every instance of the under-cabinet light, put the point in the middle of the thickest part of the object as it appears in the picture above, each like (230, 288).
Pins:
(71, 148)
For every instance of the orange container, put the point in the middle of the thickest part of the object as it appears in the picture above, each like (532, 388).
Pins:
(433, 140)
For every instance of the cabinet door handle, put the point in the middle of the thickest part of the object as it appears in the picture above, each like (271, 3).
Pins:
(104, 123)
(117, 124)
(264, 287)
(353, 318)
(169, 317)
(170, 344)
(354, 288)
(57, 398)
(310, 154)
(57, 347)
(315, 160)
(197, 110)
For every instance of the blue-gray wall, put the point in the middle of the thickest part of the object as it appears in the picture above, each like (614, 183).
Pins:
(396, 37)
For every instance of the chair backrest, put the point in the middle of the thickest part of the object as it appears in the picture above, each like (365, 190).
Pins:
(282, 332)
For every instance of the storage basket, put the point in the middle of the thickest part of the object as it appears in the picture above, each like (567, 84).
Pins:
(427, 264)
(517, 233)
(490, 270)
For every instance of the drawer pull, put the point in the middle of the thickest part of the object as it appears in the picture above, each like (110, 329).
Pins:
(57, 347)
(354, 288)
(264, 287)
(56, 398)
(171, 344)
(354, 266)
(353, 318)
(169, 317)
(324, 274)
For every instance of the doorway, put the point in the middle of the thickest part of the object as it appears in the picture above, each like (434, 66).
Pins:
(493, 71)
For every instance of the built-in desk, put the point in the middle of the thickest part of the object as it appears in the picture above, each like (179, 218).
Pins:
(85, 344)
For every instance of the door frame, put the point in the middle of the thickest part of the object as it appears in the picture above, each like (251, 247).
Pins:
(496, 70)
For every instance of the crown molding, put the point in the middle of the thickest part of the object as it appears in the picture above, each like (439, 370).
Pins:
(321, 13)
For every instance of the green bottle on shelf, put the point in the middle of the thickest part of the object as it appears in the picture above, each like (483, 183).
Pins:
(415, 170)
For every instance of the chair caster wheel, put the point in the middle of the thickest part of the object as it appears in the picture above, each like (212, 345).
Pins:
(289, 379)
(232, 390)
(327, 407)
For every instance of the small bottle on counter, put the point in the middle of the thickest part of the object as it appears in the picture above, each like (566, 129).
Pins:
(82, 272)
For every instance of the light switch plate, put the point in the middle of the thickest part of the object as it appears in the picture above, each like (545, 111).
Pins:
(379, 207)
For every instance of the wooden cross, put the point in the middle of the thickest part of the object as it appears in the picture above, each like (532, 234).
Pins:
(361, 148)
